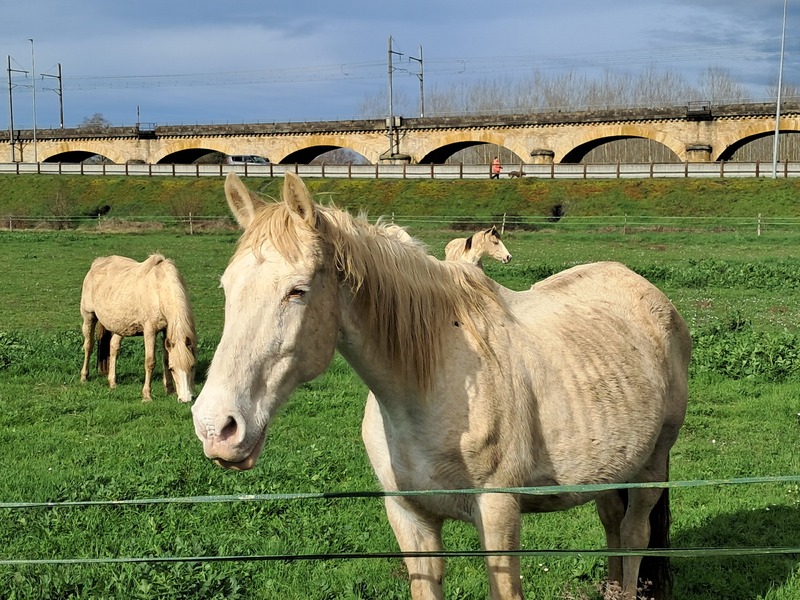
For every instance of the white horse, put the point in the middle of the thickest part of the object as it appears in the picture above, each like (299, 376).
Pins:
(122, 297)
(474, 248)
(582, 379)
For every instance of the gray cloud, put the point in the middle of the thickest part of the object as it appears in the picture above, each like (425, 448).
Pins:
(205, 61)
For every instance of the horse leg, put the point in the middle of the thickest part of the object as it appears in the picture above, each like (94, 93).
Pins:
(113, 352)
(166, 377)
(415, 531)
(149, 362)
(635, 533)
(89, 322)
(499, 529)
(418, 533)
(611, 509)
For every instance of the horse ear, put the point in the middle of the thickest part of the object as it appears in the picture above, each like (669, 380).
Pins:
(298, 199)
(240, 200)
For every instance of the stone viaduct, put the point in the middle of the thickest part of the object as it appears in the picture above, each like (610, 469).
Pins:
(697, 132)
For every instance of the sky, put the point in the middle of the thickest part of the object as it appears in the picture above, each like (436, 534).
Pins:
(176, 62)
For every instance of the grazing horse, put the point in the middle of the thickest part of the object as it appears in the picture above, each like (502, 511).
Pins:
(474, 248)
(121, 298)
(582, 379)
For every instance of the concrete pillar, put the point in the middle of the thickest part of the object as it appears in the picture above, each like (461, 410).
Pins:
(542, 156)
(698, 153)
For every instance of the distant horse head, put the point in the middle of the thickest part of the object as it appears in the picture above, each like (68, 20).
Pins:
(472, 249)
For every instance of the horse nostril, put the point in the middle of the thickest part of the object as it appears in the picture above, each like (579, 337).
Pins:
(229, 430)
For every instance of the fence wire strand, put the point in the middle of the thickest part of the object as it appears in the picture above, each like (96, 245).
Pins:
(304, 496)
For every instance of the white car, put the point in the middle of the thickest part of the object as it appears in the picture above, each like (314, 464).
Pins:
(245, 159)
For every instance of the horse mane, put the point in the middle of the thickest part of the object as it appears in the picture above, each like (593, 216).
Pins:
(180, 317)
(407, 298)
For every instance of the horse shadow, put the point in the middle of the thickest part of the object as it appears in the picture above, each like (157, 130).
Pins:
(740, 577)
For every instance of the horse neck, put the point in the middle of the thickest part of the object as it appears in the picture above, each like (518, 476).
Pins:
(399, 305)
(477, 250)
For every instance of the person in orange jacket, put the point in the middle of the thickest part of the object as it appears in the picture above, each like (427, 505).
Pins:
(496, 168)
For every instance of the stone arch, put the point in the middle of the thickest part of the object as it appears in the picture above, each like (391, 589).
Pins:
(190, 146)
(453, 141)
(729, 143)
(581, 143)
(306, 149)
(78, 151)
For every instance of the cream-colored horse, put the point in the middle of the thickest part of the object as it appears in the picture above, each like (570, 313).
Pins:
(121, 298)
(474, 248)
(582, 379)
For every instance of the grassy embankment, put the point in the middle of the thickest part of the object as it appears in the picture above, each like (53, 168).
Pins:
(44, 195)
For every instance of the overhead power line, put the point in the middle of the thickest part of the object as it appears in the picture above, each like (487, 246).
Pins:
(711, 55)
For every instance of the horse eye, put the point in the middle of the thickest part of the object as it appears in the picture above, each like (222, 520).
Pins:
(296, 294)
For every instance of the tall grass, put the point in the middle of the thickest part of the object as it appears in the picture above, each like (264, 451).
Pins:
(64, 441)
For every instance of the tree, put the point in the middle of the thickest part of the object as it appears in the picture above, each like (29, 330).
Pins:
(97, 122)
(719, 87)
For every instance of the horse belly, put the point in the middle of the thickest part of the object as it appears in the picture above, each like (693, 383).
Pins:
(530, 503)
(121, 324)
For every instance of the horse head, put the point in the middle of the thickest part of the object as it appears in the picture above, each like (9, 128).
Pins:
(281, 321)
(180, 363)
(494, 245)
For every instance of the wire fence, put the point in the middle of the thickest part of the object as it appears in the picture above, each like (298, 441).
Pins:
(755, 224)
(307, 496)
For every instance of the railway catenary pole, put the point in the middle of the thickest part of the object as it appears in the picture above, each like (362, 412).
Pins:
(778, 99)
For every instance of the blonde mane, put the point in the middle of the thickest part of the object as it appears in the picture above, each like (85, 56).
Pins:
(178, 310)
(407, 299)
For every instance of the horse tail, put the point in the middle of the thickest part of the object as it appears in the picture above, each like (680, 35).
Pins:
(103, 348)
(656, 569)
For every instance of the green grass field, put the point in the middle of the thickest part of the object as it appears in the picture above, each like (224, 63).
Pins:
(63, 441)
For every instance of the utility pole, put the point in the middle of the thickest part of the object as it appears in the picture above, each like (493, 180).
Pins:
(421, 86)
(390, 124)
(11, 110)
(778, 100)
(60, 92)
(33, 80)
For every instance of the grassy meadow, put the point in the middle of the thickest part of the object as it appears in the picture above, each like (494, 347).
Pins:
(64, 441)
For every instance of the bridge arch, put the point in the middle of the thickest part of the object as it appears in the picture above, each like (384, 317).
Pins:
(187, 156)
(318, 145)
(729, 145)
(597, 136)
(186, 151)
(455, 141)
(305, 150)
(78, 151)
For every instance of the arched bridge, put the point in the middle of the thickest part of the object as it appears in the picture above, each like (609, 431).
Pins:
(697, 132)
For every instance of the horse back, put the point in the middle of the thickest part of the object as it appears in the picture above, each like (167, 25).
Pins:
(123, 293)
(610, 355)
(612, 291)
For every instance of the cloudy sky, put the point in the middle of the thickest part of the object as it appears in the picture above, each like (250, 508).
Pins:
(218, 61)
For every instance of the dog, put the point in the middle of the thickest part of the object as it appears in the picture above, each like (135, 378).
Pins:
(516, 174)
